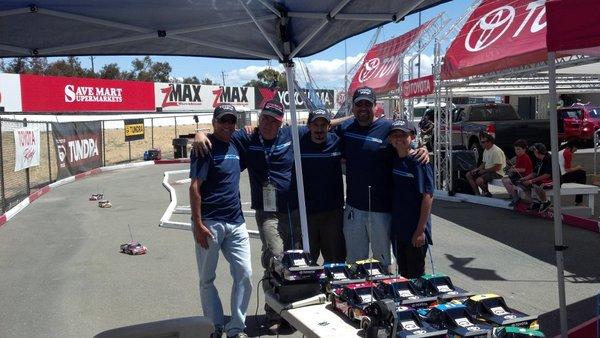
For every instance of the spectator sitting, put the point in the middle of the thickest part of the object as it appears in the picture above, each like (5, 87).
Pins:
(521, 168)
(570, 174)
(539, 179)
(491, 166)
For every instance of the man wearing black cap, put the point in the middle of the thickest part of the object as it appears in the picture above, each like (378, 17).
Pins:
(367, 217)
(411, 202)
(218, 224)
(323, 188)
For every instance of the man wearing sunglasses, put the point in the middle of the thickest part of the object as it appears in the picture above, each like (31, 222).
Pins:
(218, 224)
(367, 216)
(493, 161)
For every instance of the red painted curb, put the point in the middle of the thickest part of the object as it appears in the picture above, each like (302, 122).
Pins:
(2, 220)
(38, 193)
(574, 221)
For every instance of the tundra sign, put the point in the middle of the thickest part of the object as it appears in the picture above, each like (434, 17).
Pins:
(422, 86)
(78, 147)
(27, 148)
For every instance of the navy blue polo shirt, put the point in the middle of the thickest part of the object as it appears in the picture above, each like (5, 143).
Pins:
(411, 180)
(322, 173)
(368, 162)
(279, 167)
(220, 175)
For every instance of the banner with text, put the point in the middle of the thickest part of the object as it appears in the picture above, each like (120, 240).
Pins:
(75, 94)
(27, 148)
(78, 146)
(134, 130)
(262, 95)
(422, 86)
(10, 92)
(201, 98)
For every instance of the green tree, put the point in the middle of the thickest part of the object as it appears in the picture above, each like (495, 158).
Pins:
(17, 66)
(37, 65)
(267, 78)
(66, 67)
(191, 79)
(147, 70)
(112, 71)
(207, 81)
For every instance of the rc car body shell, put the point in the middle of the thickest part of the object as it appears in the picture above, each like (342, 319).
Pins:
(96, 197)
(370, 269)
(457, 320)
(403, 292)
(440, 286)
(494, 310)
(352, 299)
(133, 248)
(295, 266)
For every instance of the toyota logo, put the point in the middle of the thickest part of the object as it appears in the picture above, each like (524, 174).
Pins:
(369, 69)
(489, 28)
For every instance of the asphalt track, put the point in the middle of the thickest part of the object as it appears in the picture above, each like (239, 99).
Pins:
(61, 273)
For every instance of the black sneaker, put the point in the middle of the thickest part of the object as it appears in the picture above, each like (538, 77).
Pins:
(545, 206)
(217, 334)
(534, 207)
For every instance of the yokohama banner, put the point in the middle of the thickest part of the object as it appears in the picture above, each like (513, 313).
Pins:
(73, 94)
(27, 148)
(78, 146)
(499, 34)
(422, 86)
(379, 69)
(262, 95)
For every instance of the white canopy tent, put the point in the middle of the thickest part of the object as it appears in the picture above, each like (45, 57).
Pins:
(240, 29)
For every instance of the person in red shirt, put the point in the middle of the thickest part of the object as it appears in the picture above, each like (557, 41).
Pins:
(568, 172)
(521, 168)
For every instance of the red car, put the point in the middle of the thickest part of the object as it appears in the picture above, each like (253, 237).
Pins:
(352, 299)
(579, 122)
(133, 248)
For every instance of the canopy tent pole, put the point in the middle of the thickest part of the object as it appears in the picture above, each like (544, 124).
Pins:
(559, 247)
(289, 72)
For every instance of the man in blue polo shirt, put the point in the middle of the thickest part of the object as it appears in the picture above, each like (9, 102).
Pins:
(411, 202)
(368, 157)
(323, 188)
(218, 224)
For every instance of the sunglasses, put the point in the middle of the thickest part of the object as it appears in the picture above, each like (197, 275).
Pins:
(227, 120)
(363, 103)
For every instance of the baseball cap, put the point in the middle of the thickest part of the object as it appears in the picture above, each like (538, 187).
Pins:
(364, 93)
(404, 125)
(224, 110)
(317, 113)
(274, 109)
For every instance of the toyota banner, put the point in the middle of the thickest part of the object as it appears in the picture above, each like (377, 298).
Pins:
(78, 147)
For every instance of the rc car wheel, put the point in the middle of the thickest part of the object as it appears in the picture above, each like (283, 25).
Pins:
(365, 323)
(351, 314)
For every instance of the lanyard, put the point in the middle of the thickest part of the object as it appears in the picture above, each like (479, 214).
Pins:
(268, 154)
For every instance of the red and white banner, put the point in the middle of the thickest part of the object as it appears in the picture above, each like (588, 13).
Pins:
(73, 94)
(379, 69)
(27, 148)
(200, 98)
(422, 86)
(499, 34)
(574, 26)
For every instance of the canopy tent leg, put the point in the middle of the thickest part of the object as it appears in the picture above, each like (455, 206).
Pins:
(289, 72)
(558, 235)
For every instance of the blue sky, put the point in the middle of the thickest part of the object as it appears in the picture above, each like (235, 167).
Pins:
(327, 67)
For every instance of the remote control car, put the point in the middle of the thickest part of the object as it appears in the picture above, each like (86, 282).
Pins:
(440, 285)
(493, 309)
(517, 332)
(336, 275)
(403, 292)
(352, 299)
(96, 197)
(295, 265)
(152, 154)
(369, 269)
(133, 248)
(455, 318)
(384, 314)
(104, 204)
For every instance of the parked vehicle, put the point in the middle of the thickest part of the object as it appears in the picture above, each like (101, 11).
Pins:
(578, 122)
(498, 119)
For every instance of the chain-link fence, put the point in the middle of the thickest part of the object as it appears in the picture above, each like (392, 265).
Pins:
(159, 133)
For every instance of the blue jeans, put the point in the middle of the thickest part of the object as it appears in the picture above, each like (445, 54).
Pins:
(356, 232)
(233, 241)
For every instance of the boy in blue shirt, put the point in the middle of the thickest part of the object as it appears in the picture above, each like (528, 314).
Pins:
(411, 202)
